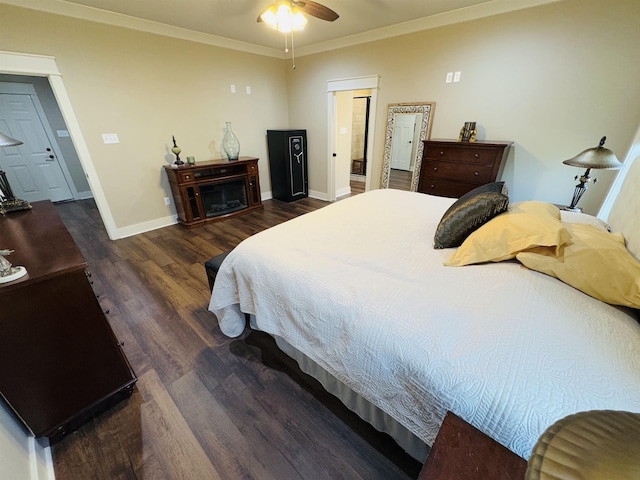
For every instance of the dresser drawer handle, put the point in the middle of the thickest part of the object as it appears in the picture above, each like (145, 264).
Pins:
(477, 155)
(435, 169)
(442, 153)
(476, 173)
(433, 186)
(187, 177)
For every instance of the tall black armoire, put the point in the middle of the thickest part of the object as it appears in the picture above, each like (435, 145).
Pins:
(288, 164)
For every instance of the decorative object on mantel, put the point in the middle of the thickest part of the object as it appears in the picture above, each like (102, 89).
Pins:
(9, 273)
(597, 157)
(191, 160)
(8, 201)
(287, 16)
(176, 151)
(601, 444)
(230, 143)
(468, 132)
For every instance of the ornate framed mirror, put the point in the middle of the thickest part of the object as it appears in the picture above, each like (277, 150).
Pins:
(408, 124)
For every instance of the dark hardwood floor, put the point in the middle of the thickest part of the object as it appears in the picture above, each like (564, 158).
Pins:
(206, 406)
(400, 179)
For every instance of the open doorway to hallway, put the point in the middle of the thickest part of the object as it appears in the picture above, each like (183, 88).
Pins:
(340, 103)
(353, 111)
(46, 166)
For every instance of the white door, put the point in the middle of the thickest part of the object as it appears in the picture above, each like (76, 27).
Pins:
(32, 168)
(403, 128)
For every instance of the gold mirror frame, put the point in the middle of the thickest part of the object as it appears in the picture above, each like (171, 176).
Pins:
(426, 109)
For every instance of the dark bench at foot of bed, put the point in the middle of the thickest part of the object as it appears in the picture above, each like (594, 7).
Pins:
(212, 266)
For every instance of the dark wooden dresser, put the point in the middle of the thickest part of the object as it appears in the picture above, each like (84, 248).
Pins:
(451, 168)
(461, 451)
(60, 363)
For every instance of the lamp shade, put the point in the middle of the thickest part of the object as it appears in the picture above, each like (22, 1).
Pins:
(595, 444)
(6, 141)
(597, 157)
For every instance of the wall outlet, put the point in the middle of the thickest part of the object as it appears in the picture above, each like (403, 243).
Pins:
(456, 77)
(233, 88)
(248, 90)
(167, 201)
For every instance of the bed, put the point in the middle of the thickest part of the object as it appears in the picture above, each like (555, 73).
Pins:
(359, 296)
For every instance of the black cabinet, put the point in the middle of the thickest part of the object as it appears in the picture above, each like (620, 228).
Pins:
(288, 164)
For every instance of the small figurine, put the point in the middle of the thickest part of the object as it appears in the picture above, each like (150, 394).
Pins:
(176, 150)
(8, 272)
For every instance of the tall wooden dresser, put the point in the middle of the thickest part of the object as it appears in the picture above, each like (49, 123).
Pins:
(60, 363)
(451, 168)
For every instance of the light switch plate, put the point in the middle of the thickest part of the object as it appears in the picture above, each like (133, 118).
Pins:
(456, 77)
(110, 138)
(449, 77)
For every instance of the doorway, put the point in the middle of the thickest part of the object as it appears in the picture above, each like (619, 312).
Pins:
(349, 85)
(45, 66)
(36, 169)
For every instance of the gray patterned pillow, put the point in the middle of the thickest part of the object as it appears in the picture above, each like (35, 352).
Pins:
(470, 212)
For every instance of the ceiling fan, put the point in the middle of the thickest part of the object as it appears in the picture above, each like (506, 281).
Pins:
(288, 15)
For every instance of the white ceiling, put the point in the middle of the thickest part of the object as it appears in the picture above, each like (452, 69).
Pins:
(237, 19)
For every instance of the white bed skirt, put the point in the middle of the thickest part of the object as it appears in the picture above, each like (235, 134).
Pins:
(371, 414)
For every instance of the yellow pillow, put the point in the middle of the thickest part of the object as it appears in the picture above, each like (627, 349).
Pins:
(524, 225)
(595, 262)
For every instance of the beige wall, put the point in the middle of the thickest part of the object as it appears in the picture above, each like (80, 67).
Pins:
(553, 79)
(147, 88)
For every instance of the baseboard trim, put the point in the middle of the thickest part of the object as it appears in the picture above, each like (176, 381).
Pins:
(318, 195)
(40, 461)
(146, 226)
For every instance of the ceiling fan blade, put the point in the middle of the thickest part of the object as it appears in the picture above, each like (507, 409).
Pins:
(316, 10)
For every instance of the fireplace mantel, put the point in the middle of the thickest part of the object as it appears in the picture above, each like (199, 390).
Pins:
(214, 190)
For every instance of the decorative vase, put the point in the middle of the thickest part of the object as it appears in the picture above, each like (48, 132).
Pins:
(176, 151)
(230, 143)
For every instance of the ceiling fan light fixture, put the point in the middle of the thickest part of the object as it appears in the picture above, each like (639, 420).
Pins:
(283, 18)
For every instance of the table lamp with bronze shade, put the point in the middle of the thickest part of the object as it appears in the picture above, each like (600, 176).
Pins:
(597, 157)
(589, 445)
(8, 203)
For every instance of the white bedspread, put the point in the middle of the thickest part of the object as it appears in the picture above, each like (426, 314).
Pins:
(358, 287)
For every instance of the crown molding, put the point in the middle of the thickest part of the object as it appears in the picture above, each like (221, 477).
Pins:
(486, 9)
(60, 7)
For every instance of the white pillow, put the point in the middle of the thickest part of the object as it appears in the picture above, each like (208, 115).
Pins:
(578, 217)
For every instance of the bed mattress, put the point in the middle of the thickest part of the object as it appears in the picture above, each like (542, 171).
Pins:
(358, 287)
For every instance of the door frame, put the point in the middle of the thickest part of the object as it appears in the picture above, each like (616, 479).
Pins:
(45, 66)
(369, 82)
(28, 89)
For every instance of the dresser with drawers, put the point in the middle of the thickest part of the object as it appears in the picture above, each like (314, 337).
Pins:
(60, 362)
(451, 168)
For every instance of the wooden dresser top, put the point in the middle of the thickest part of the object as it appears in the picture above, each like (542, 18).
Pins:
(42, 245)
